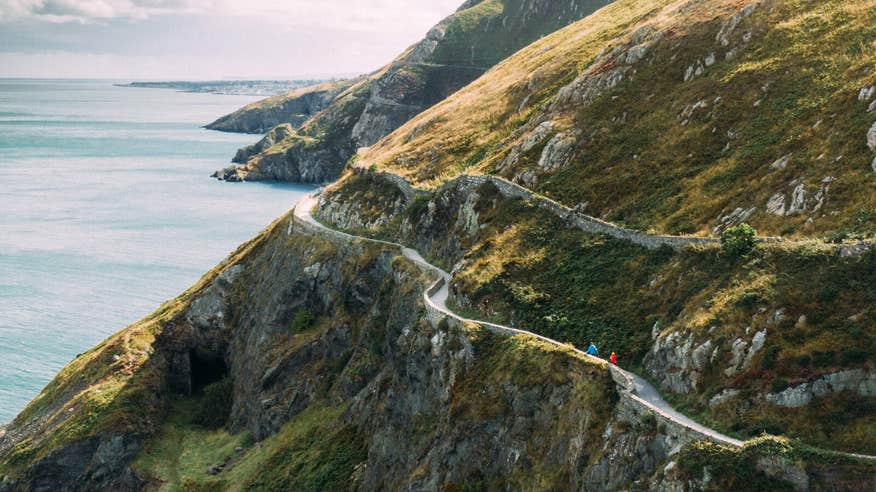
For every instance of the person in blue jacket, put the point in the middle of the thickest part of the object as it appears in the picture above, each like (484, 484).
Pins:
(592, 350)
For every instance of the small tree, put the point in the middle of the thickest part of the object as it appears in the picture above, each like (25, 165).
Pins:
(738, 241)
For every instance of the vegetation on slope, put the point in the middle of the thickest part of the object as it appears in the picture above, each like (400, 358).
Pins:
(293, 108)
(522, 265)
(677, 117)
(455, 52)
(315, 451)
(117, 387)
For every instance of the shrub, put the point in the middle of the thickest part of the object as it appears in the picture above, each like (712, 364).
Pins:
(779, 385)
(823, 359)
(749, 300)
(304, 319)
(215, 404)
(738, 241)
(649, 421)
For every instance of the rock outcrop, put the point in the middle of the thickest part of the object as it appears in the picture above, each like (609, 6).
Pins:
(455, 52)
(293, 108)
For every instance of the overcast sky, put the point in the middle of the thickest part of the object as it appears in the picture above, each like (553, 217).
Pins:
(208, 39)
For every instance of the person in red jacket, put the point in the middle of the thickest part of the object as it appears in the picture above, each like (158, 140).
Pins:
(613, 358)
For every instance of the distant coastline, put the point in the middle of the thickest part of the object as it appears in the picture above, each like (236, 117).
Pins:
(230, 87)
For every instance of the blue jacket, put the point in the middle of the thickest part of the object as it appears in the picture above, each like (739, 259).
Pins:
(592, 350)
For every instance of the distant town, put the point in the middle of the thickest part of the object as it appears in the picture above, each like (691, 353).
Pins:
(231, 87)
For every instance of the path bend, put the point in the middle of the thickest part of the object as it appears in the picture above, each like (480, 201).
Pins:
(436, 295)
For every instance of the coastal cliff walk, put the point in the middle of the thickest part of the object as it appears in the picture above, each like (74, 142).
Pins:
(640, 391)
(587, 223)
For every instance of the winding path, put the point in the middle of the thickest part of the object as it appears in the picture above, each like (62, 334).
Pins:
(436, 297)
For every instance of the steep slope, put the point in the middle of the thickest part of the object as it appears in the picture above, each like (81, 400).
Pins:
(293, 108)
(307, 361)
(677, 117)
(455, 52)
(781, 340)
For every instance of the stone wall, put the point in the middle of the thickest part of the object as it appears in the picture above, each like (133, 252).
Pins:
(587, 223)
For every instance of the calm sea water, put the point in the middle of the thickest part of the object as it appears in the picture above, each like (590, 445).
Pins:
(107, 211)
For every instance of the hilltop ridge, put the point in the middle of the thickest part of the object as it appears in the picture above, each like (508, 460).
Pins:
(453, 53)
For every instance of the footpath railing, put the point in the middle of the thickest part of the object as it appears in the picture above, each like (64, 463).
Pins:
(579, 220)
(638, 397)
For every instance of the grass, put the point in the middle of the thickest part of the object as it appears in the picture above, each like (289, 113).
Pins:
(475, 39)
(311, 452)
(116, 386)
(642, 160)
(525, 268)
(732, 468)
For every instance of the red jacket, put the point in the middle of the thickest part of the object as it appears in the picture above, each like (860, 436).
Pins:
(613, 359)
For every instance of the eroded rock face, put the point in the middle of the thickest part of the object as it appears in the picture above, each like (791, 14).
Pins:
(871, 138)
(426, 74)
(293, 109)
(678, 361)
(857, 381)
(276, 134)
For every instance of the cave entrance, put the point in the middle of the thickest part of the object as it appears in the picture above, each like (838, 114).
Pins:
(205, 369)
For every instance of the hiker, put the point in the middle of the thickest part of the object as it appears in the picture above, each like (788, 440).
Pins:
(613, 358)
(591, 350)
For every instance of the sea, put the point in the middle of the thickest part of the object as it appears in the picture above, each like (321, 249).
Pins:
(107, 209)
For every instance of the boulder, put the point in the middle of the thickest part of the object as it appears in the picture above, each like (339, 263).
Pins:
(871, 138)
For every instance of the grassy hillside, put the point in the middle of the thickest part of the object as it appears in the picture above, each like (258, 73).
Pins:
(678, 117)
(455, 52)
(516, 263)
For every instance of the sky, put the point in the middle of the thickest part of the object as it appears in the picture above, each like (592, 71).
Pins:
(208, 39)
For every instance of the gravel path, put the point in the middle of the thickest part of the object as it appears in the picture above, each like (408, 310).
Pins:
(640, 390)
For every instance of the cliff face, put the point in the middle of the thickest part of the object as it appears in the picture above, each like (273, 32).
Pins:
(293, 108)
(776, 342)
(675, 117)
(308, 361)
(453, 53)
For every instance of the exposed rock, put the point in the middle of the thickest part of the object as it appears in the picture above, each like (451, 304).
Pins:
(694, 70)
(676, 364)
(737, 351)
(730, 24)
(736, 217)
(293, 108)
(709, 60)
(776, 204)
(866, 93)
(756, 344)
(871, 138)
(276, 134)
(793, 397)
(723, 397)
(784, 469)
(781, 163)
(557, 152)
(609, 69)
(857, 381)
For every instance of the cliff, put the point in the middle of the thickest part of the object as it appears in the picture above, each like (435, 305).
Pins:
(453, 53)
(328, 354)
(678, 118)
(293, 108)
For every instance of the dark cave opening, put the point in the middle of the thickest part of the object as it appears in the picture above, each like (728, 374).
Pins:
(205, 369)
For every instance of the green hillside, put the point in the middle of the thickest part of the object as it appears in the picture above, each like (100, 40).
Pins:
(677, 118)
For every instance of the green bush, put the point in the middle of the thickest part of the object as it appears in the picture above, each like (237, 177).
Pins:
(303, 320)
(738, 241)
(215, 404)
